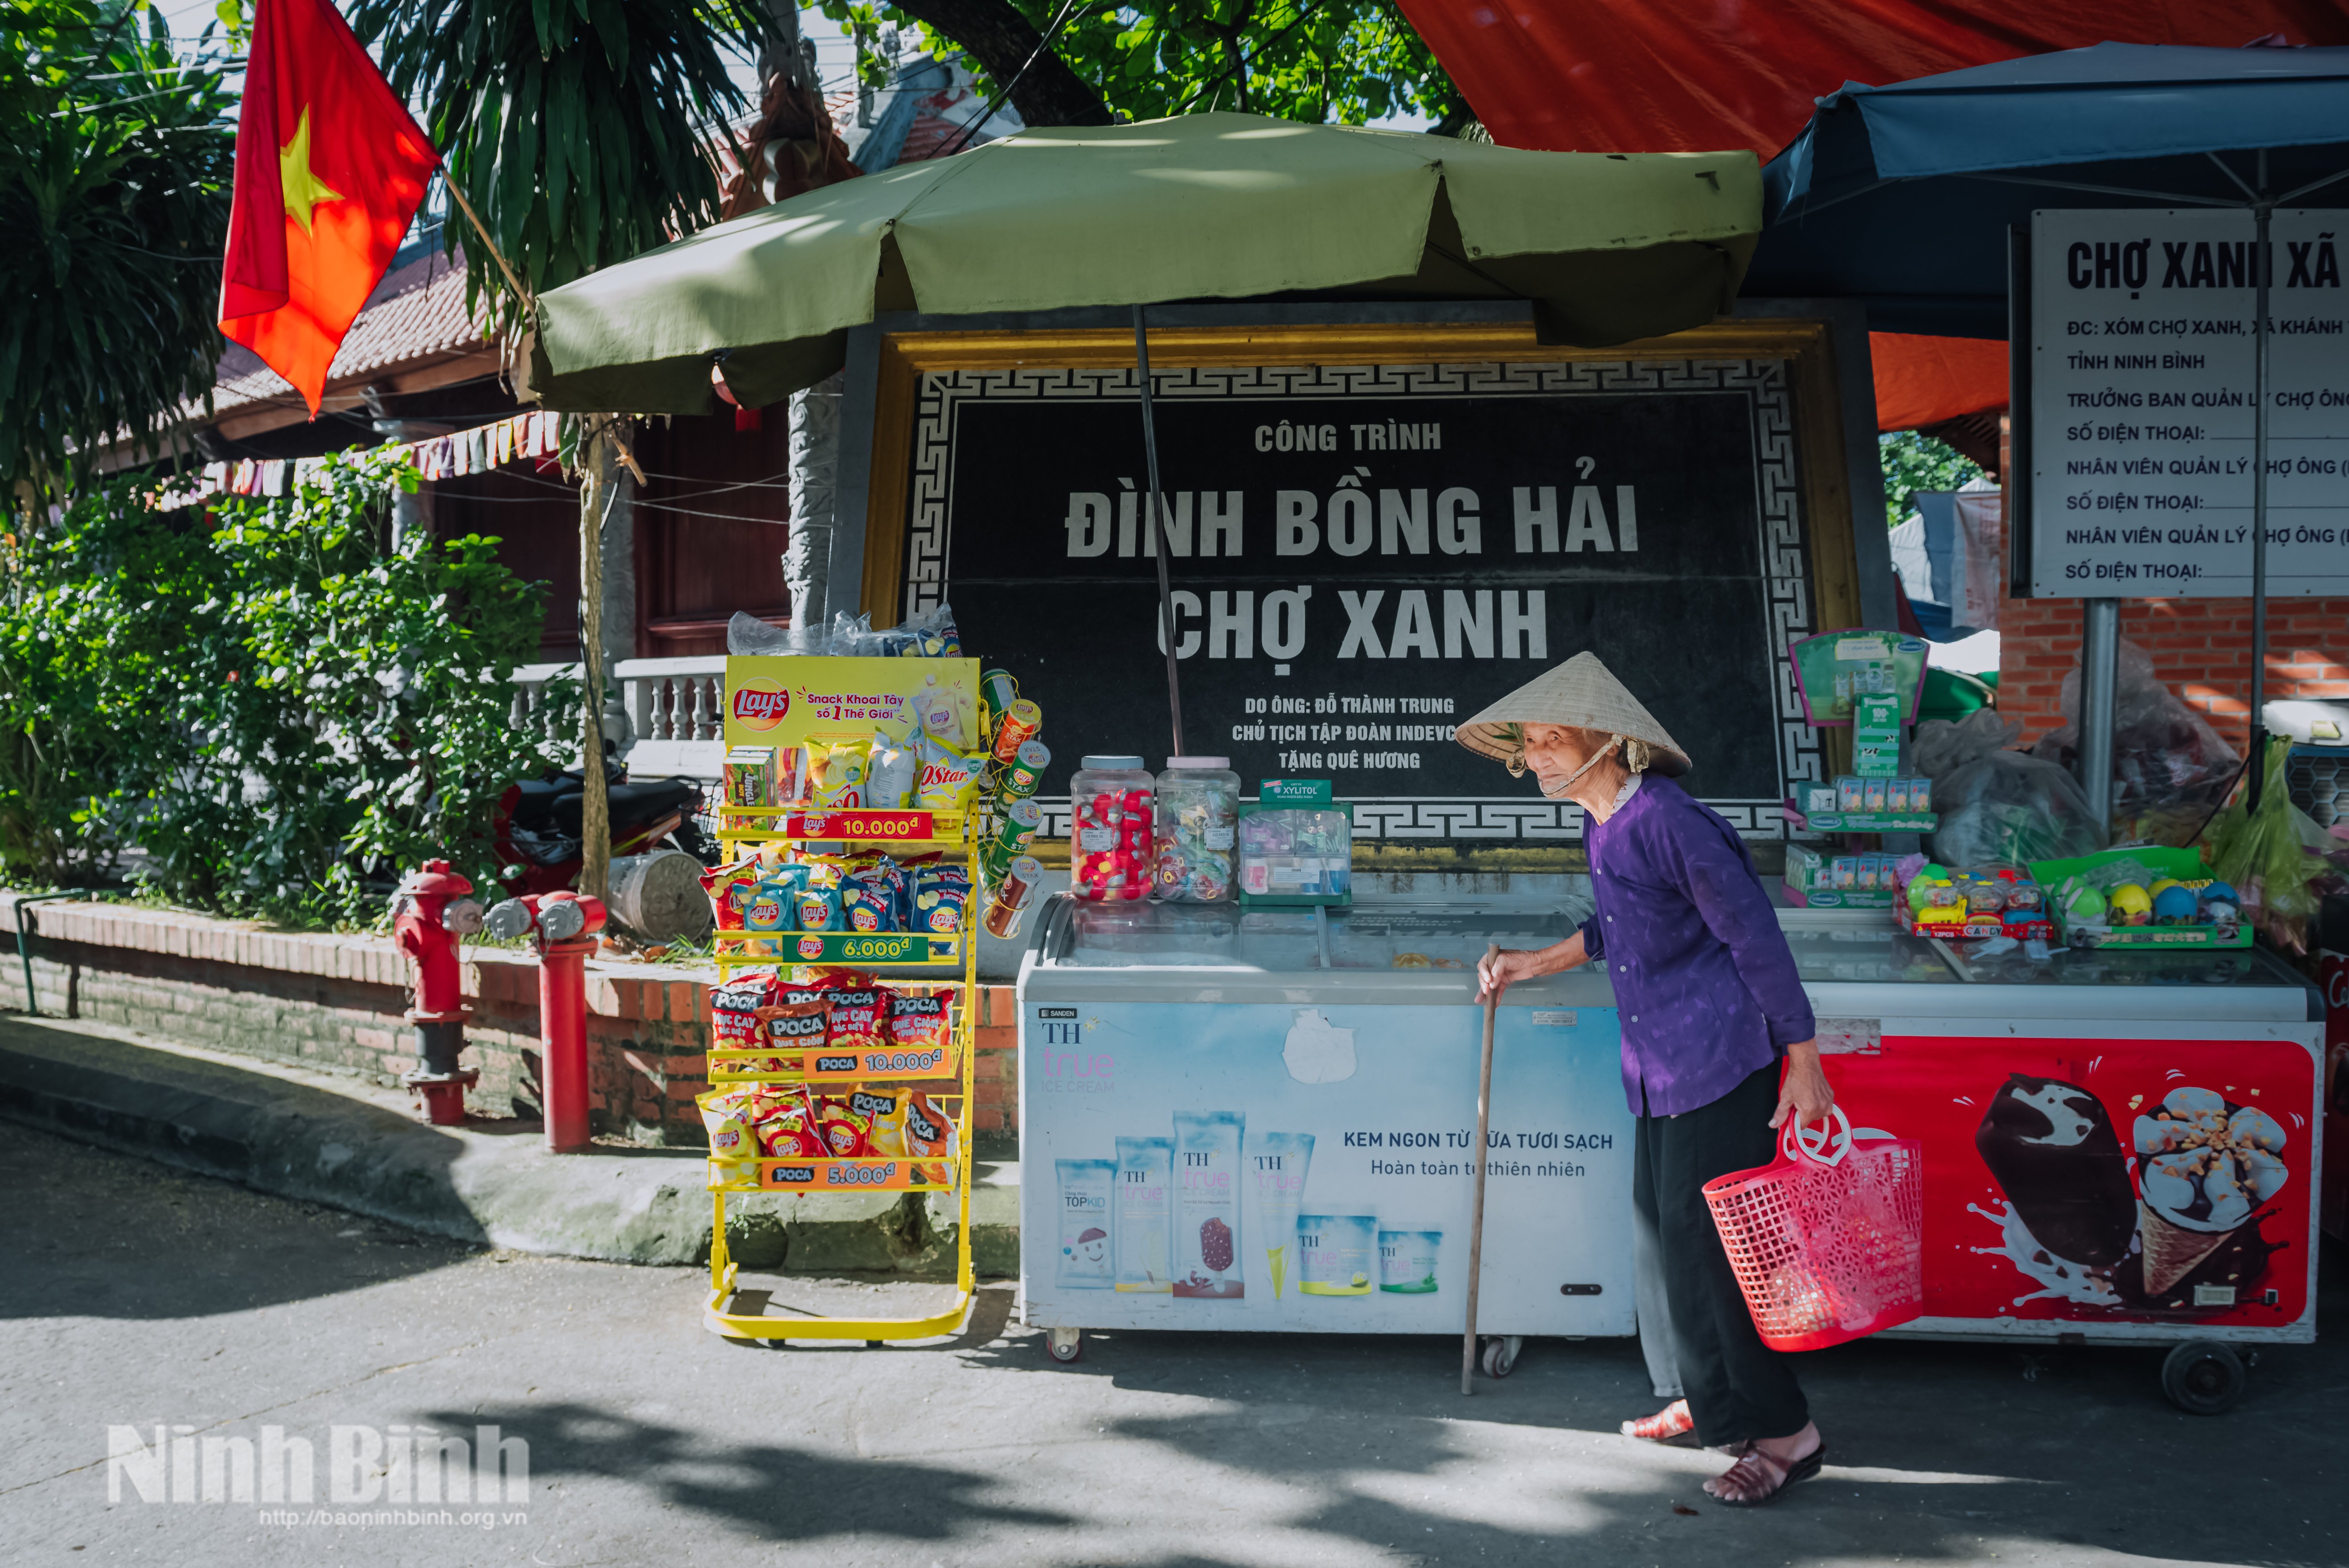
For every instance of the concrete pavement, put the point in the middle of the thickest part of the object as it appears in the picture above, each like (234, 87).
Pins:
(335, 1139)
(136, 1295)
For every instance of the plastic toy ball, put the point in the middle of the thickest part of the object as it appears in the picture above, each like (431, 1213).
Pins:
(2131, 905)
(2173, 905)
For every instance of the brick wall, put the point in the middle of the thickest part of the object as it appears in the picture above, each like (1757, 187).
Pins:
(2201, 649)
(334, 1003)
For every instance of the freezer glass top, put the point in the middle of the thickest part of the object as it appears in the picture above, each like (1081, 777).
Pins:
(1871, 955)
(2232, 966)
(1403, 934)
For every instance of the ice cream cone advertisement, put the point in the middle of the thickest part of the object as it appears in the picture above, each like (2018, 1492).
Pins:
(2204, 1166)
(2104, 1181)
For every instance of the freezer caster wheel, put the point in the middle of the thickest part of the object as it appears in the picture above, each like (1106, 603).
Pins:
(1065, 1343)
(1501, 1354)
(2203, 1378)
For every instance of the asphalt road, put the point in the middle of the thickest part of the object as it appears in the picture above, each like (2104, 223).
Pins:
(133, 1296)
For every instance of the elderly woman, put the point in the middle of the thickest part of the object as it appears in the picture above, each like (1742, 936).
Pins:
(1711, 1005)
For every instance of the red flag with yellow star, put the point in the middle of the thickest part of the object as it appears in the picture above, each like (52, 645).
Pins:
(330, 170)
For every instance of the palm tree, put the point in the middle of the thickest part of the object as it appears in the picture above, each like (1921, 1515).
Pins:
(114, 194)
(579, 132)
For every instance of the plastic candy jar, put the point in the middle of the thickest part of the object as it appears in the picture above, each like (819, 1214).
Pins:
(1198, 827)
(1111, 855)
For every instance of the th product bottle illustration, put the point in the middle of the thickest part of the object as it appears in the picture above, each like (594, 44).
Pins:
(1277, 1163)
(1407, 1261)
(1145, 1195)
(1208, 1204)
(1336, 1253)
(1086, 1260)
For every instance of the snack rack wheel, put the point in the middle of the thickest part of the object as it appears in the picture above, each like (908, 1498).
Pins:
(1065, 1343)
(2203, 1378)
(951, 833)
(1500, 1355)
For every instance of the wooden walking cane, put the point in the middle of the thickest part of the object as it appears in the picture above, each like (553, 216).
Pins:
(1476, 1213)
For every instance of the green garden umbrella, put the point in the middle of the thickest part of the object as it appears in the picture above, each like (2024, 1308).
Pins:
(1608, 247)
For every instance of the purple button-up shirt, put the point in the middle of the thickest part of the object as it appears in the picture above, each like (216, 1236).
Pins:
(1704, 982)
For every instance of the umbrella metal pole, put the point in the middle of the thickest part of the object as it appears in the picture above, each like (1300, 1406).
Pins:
(2100, 628)
(2263, 269)
(1153, 506)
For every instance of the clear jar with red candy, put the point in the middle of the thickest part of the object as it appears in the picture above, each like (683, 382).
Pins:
(1112, 850)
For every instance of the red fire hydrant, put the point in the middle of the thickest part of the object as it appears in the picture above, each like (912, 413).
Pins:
(562, 927)
(431, 913)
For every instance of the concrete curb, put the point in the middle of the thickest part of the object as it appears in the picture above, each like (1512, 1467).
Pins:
(342, 1143)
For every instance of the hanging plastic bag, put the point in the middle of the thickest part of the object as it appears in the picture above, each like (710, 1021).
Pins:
(1943, 746)
(748, 634)
(2264, 854)
(2170, 767)
(2006, 808)
(932, 634)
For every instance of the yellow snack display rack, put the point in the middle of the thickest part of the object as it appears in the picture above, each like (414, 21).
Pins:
(879, 694)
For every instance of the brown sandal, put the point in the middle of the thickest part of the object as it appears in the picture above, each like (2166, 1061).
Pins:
(1673, 1426)
(1788, 1471)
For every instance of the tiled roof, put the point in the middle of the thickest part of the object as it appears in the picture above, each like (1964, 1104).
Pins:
(418, 312)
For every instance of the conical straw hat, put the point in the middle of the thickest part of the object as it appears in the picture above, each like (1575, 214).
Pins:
(1582, 693)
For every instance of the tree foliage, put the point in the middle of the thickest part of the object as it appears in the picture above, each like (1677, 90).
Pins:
(344, 717)
(1320, 60)
(1914, 461)
(579, 129)
(114, 197)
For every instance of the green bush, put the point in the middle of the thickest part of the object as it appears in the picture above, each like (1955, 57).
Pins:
(97, 607)
(279, 713)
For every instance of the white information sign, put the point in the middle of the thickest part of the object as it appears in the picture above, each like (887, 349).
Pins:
(2142, 403)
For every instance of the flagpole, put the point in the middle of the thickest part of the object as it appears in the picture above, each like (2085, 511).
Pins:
(457, 194)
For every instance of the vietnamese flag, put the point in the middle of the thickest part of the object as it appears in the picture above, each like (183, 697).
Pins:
(330, 170)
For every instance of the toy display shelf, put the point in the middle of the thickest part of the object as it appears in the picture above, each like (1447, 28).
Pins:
(954, 1077)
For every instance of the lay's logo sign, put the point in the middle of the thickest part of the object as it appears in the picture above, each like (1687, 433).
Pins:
(760, 702)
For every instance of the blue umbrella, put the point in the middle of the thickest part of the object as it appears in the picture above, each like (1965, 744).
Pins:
(1902, 195)
(1906, 197)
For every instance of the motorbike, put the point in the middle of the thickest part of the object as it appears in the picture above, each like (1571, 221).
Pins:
(537, 825)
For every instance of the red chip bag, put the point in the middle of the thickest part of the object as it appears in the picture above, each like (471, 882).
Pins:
(733, 1009)
(729, 888)
(918, 1020)
(793, 1024)
(929, 1131)
(856, 1020)
(789, 1130)
(845, 1132)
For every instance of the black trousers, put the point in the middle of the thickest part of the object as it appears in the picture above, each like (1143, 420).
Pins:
(1738, 1387)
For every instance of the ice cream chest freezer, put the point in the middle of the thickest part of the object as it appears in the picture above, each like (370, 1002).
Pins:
(1262, 1119)
(2119, 1145)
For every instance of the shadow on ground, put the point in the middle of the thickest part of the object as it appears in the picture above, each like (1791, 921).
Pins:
(80, 1241)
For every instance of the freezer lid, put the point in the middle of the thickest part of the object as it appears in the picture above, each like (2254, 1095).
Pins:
(1855, 965)
(1374, 935)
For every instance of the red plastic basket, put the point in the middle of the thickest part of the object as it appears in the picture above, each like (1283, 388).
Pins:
(1827, 1240)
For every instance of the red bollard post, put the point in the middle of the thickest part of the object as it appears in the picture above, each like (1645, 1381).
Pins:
(562, 1032)
(562, 927)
